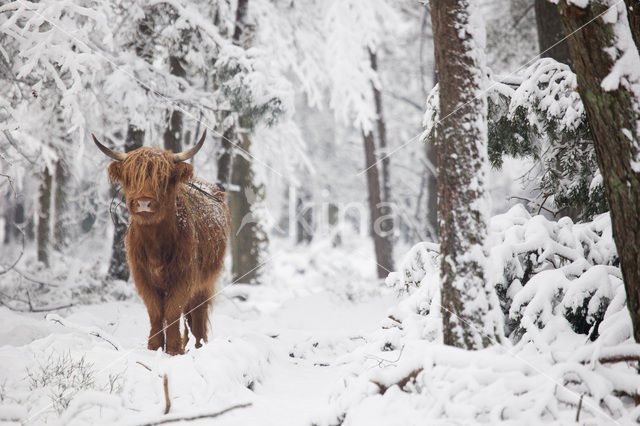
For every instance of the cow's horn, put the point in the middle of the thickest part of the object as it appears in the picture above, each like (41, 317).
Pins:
(185, 155)
(118, 156)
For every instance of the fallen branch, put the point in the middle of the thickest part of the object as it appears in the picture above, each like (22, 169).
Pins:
(197, 417)
(619, 358)
(145, 366)
(411, 377)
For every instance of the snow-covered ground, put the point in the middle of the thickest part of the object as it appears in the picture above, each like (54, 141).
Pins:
(282, 360)
(323, 342)
(274, 346)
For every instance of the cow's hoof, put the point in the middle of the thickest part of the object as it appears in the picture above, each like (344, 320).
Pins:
(155, 344)
(175, 351)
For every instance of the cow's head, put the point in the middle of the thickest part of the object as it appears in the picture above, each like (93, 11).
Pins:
(149, 178)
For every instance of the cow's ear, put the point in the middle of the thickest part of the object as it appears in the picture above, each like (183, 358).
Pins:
(183, 172)
(115, 171)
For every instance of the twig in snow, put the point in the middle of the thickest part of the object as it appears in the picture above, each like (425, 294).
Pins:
(100, 336)
(579, 408)
(144, 365)
(382, 361)
(167, 401)
(92, 332)
(198, 417)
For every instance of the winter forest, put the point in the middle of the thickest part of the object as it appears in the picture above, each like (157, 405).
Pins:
(320, 212)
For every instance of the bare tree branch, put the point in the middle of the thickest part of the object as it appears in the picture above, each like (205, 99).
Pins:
(31, 308)
(33, 280)
(531, 201)
(198, 417)
(16, 146)
(522, 15)
(15, 194)
(405, 100)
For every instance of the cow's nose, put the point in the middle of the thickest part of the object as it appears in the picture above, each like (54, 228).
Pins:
(144, 205)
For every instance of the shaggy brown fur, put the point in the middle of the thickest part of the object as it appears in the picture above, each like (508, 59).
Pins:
(175, 243)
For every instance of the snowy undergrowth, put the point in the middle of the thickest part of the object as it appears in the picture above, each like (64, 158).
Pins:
(274, 345)
(92, 363)
(75, 277)
(567, 349)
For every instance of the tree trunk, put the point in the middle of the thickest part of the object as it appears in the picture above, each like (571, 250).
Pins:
(550, 32)
(118, 267)
(613, 116)
(225, 159)
(431, 154)
(241, 16)
(385, 224)
(43, 232)
(173, 132)
(633, 15)
(303, 218)
(14, 220)
(462, 173)
(248, 237)
(373, 186)
(59, 205)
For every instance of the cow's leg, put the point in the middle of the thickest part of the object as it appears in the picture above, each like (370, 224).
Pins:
(155, 308)
(200, 317)
(172, 312)
(189, 322)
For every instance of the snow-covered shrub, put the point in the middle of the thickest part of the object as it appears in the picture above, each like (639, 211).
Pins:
(570, 346)
(538, 267)
(539, 115)
(542, 268)
(543, 118)
(63, 378)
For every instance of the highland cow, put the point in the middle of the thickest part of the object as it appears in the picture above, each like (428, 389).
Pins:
(176, 239)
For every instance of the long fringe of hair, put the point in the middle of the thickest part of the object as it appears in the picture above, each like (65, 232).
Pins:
(147, 168)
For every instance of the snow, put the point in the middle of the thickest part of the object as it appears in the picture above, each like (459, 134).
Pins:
(277, 349)
(539, 374)
(286, 356)
(319, 340)
(314, 346)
